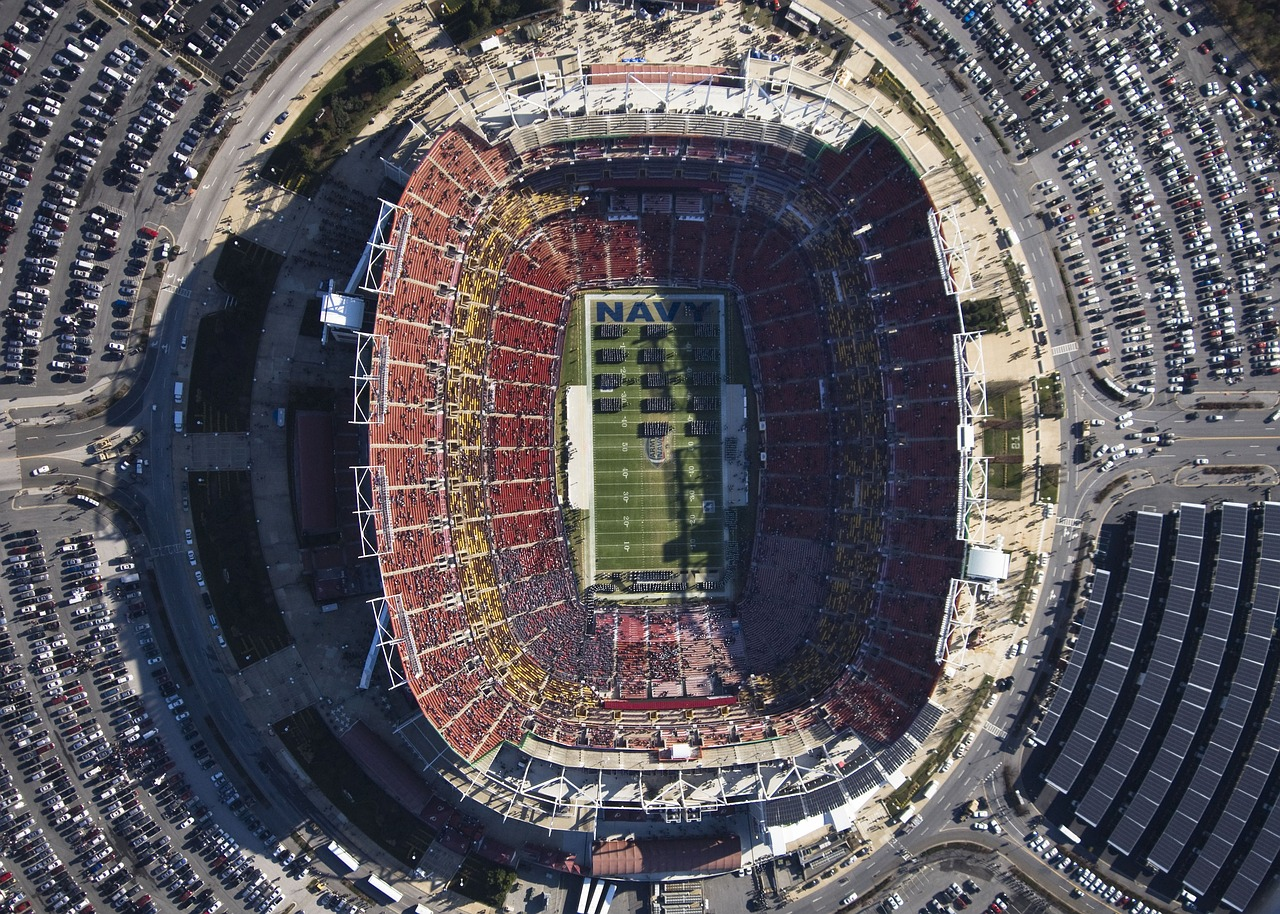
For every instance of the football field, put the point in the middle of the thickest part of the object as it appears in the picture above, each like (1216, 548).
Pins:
(656, 378)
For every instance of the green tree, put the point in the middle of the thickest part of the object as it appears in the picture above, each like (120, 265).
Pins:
(497, 884)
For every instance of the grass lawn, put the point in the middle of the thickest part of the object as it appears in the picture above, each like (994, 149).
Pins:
(1049, 394)
(1004, 480)
(323, 130)
(1002, 442)
(1050, 475)
(482, 881)
(658, 483)
(1005, 402)
(984, 314)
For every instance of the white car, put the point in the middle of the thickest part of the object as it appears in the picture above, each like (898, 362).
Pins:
(1202, 461)
(268, 136)
(191, 556)
(41, 470)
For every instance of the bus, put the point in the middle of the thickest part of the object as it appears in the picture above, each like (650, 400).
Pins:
(608, 898)
(586, 895)
(593, 907)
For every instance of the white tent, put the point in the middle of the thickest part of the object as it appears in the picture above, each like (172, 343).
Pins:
(987, 564)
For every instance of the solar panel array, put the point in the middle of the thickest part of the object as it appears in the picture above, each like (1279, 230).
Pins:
(925, 721)
(796, 808)
(864, 778)
(1254, 868)
(898, 753)
(1118, 660)
(1079, 653)
(1176, 747)
(1263, 761)
(1223, 741)
(1154, 687)
(785, 810)
(1240, 806)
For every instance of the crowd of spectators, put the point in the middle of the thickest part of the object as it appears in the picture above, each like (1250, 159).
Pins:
(851, 356)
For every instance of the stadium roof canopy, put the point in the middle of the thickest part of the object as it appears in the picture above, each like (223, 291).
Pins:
(563, 97)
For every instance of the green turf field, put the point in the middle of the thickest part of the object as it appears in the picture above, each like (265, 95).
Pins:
(658, 485)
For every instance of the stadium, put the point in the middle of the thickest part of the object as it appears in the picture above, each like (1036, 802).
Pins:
(669, 406)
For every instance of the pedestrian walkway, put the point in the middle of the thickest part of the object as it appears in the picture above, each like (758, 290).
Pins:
(216, 451)
(10, 467)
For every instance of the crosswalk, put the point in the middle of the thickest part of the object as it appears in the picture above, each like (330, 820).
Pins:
(1065, 348)
(995, 731)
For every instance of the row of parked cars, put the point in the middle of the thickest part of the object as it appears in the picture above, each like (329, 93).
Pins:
(1049, 852)
(209, 122)
(117, 759)
(1129, 148)
(1104, 67)
(77, 152)
(226, 19)
(952, 898)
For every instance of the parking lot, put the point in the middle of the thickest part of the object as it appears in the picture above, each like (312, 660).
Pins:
(225, 37)
(934, 891)
(96, 808)
(103, 134)
(1157, 184)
